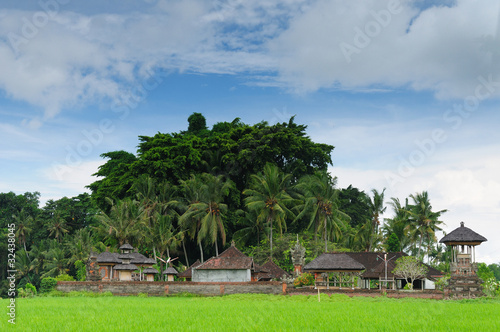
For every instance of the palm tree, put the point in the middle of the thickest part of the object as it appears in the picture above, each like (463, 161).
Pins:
(210, 208)
(24, 223)
(269, 195)
(321, 204)
(190, 222)
(377, 208)
(157, 201)
(250, 228)
(423, 222)
(56, 262)
(57, 227)
(123, 222)
(398, 223)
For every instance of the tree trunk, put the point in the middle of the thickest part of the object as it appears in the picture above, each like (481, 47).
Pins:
(185, 253)
(201, 251)
(216, 249)
(271, 240)
(326, 239)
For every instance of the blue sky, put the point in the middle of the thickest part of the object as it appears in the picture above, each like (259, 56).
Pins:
(407, 91)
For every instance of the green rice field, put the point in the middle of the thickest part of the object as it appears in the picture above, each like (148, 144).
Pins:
(251, 313)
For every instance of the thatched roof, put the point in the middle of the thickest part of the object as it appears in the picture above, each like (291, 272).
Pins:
(230, 259)
(189, 271)
(463, 235)
(375, 268)
(126, 246)
(373, 264)
(170, 270)
(108, 257)
(334, 262)
(150, 270)
(130, 267)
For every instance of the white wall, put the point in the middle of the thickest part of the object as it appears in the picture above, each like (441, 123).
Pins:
(221, 275)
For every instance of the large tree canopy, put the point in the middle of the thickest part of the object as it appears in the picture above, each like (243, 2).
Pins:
(233, 149)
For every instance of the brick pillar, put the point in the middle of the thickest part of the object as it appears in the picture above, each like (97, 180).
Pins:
(166, 290)
(284, 288)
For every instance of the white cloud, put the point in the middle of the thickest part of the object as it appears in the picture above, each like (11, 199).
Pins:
(75, 59)
(442, 49)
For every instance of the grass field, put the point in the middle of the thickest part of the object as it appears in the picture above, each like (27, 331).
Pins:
(251, 313)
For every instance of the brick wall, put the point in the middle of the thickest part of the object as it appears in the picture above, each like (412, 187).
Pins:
(173, 287)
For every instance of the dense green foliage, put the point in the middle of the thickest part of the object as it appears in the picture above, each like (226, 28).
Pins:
(47, 284)
(261, 312)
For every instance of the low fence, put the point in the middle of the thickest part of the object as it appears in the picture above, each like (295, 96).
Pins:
(173, 287)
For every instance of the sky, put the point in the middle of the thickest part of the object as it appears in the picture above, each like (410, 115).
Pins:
(407, 91)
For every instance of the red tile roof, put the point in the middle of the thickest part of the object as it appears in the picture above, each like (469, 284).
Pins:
(230, 259)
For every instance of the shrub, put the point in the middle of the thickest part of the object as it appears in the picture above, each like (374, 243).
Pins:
(306, 279)
(441, 283)
(31, 288)
(47, 284)
(491, 287)
(408, 286)
(81, 270)
(65, 277)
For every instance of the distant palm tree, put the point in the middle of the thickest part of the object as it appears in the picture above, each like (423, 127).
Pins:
(250, 228)
(398, 223)
(24, 223)
(269, 195)
(376, 205)
(423, 222)
(56, 262)
(57, 227)
(321, 205)
(190, 222)
(124, 221)
(210, 208)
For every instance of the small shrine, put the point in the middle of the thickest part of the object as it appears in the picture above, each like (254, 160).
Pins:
(464, 281)
(298, 253)
(126, 268)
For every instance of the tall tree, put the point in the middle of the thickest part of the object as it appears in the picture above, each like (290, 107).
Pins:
(269, 195)
(423, 222)
(123, 222)
(321, 205)
(377, 208)
(189, 221)
(210, 208)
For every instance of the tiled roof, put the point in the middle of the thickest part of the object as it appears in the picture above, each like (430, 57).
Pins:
(189, 271)
(230, 259)
(334, 262)
(463, 234)
(275, 272)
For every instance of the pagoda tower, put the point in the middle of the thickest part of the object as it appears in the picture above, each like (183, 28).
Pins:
(464, 281)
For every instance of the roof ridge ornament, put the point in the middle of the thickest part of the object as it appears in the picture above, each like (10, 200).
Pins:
(462, 224)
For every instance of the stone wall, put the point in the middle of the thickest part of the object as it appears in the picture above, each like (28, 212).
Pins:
(173, 287)
(425, 294)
